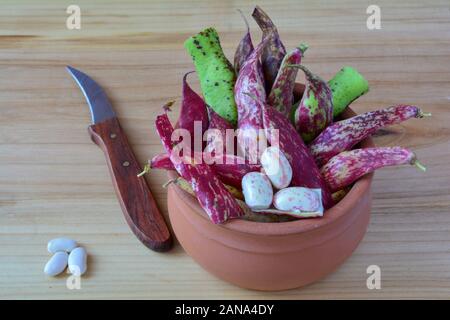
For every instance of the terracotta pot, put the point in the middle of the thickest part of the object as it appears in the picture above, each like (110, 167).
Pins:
(272, 256)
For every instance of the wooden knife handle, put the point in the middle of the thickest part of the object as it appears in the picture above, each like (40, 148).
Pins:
(136, 200)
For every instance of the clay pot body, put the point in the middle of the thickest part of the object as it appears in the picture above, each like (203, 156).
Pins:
(272, 256)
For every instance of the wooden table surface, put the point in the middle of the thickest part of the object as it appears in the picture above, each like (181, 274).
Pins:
(54, 180)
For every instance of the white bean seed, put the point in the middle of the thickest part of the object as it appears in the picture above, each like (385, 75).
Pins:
(61, 244)
(56, 264)
(78, 261)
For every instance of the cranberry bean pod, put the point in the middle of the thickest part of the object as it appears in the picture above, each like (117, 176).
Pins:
(248, 213)
(343, 135)
(315, 111)
(281, 95)
(217, 124)
(244, 49)
(211, 193)
(274, 50)
(250, 82)
(161, 161)
(193, 108)
(305, 172)
(230, 171)
(348, 166)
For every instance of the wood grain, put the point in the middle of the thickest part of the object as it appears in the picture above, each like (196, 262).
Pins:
(54, 181)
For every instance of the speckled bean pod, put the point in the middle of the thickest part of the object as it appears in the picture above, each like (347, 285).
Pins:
(215, 72)
(161, 161)
(274, 50)
(218, 124)
(281, 95)
(348, 166)
(233, 169)
(249, 215)
(187, 187)
(193, 108)
(244, 49)
(249, 84)
(343, 135)
(315, 111)
(211, 193)
(230, 171)
(305, 172)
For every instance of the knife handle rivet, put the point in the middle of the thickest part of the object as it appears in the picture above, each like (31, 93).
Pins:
(125, 163)
(113, 135)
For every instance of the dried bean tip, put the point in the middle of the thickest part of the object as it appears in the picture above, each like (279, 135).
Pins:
(167, 105)
(244, 18)
(145, 171)
(187, 73)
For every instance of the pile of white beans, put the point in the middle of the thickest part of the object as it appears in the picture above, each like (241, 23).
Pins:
(277, 172)
(65, 252)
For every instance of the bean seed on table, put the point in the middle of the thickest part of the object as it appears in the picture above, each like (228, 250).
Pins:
(61, 244)
(78, 261)
(56, 264)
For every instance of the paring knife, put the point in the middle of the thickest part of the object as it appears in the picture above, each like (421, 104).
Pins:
(136, 200)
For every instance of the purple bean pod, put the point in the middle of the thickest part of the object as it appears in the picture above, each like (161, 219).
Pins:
(250, 82)
(315, 111)
(244, 49)
(213, 196)
(274, 50)
(305, 172)
(281, 95)
(343, 135)
(348, 166)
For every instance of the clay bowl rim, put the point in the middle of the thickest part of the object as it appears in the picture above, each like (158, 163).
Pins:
(330, 216)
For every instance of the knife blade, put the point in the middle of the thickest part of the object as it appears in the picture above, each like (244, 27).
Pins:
(135, 198)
